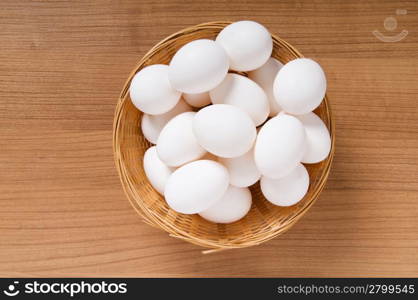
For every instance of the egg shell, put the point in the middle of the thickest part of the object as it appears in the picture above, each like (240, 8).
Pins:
(151, 91)
(224, 130)
(244, 93)
(300, 86)
(234, 205)
(318, 140)
(177, 144)
(264, 77)
(280, 146)
(247, 43)
(155, 170)
(197, 100)
(287, 190)
(242, 170)
(198, 66)
(151, 125)
(196, 186)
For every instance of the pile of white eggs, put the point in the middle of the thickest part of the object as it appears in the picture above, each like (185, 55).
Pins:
(217, 133)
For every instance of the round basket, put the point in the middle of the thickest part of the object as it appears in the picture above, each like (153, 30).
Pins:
(264, 221)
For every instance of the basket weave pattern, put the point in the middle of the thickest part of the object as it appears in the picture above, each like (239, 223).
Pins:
(264, 221)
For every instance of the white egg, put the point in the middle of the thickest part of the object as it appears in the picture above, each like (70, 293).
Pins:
(264, 77)
(247, 43)
(224, 130)
(151, 91)
(155, 170)
(244, 93)
(242, 170)
(177, 144)
(234, 205)
(287, 190)
(300, 86)
(280, 146)
(198, 66)
(197, 100)
(318, 140)
(196, 186)
(151, 125)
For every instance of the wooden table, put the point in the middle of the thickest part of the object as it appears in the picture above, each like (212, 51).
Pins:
(62, 208)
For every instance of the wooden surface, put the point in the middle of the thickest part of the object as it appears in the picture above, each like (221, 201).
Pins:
(62, 208)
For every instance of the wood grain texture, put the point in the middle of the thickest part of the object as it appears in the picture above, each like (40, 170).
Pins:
(62, 208)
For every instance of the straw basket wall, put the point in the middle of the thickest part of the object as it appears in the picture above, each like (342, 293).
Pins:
(264, 221)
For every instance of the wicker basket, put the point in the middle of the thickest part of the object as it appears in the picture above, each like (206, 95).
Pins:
(262, 223)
